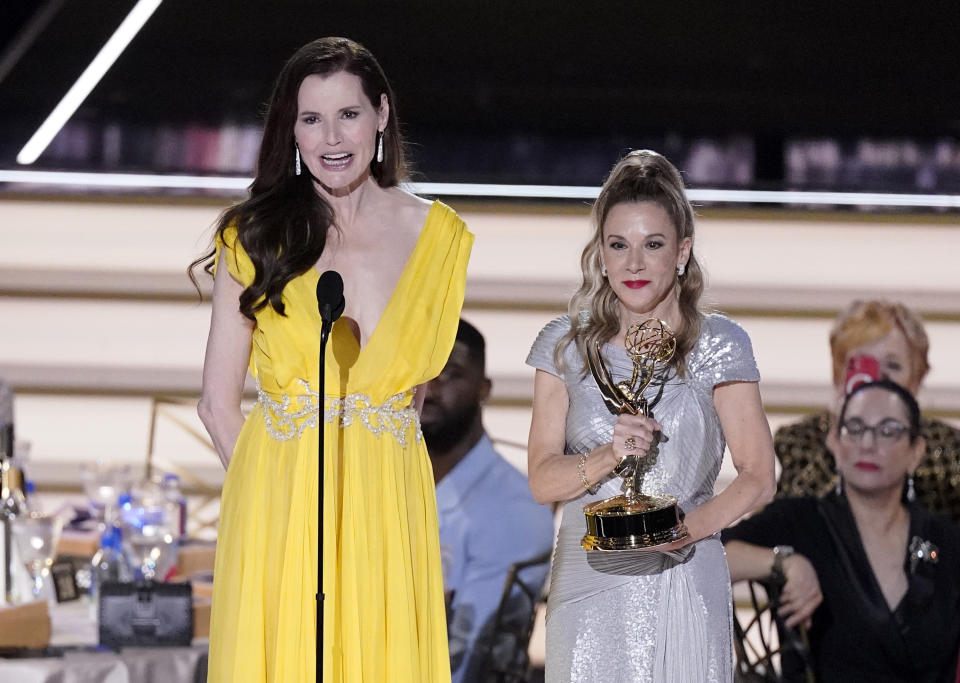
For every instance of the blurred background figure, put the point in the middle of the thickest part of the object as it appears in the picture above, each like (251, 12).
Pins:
(895, 336)
(873, 573)
(488, 518)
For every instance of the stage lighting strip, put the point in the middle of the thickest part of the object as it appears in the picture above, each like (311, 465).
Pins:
(88, 80)
(144, 181)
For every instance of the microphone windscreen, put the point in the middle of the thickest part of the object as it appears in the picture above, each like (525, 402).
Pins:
(330, 300)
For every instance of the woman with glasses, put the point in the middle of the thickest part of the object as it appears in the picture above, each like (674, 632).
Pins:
(874, 576)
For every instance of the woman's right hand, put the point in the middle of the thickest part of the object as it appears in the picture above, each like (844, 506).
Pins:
(634, 435)
(801, 594)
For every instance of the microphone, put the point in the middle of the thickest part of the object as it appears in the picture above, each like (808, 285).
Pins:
(330, 301)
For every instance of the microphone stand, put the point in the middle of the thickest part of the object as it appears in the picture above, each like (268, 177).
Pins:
(330, 303)
(325, 327)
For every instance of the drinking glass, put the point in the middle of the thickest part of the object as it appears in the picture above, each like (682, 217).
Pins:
(36, 536)
(103, 483)
(150, 533)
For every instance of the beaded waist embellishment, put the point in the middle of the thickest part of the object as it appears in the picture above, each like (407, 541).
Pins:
(291, 416)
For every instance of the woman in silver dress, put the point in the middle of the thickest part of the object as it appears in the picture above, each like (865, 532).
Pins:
(652, 615)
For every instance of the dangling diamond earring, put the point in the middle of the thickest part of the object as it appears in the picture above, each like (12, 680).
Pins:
(681, 269)
(911, 493)
(603, 269)
(379, 146)
(839, 487)
(296, 159)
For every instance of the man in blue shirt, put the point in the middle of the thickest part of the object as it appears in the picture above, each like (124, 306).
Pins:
(488, 518)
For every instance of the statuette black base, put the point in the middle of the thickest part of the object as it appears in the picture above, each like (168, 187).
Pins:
(642, 523)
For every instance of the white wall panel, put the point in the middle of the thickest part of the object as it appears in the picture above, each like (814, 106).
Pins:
(103, 235)
(524, 267)
(103, 332)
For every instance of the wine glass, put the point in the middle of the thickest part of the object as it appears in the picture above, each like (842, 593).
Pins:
(103, 483)
(149, 533)
(36, 536)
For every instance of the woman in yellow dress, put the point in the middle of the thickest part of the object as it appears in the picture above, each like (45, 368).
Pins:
(326, 198)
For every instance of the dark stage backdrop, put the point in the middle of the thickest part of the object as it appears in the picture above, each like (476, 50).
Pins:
(852, 95)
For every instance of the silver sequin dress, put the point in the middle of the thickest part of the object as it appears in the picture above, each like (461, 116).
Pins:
(645, 616)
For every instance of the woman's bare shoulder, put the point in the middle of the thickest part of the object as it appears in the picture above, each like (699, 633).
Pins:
(409, 211)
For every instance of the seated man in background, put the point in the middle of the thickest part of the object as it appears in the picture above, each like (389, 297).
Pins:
(488, 518)
(894, 335)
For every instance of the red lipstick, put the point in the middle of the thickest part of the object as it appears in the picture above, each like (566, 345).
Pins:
(636, 284)
(866, 466)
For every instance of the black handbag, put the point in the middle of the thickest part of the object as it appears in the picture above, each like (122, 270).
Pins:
(145, 614)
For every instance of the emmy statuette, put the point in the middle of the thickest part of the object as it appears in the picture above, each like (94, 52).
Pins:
(634, 520)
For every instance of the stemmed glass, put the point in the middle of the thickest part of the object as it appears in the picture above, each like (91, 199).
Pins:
(36, 536)
(103, 483)
(149, 534)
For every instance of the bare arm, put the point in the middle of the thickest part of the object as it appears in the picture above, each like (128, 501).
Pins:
(747, 433)
(225, 365)
(748, 562)
(801, 593)
(554, 475)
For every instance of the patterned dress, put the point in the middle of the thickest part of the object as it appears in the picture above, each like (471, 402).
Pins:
(807, 467)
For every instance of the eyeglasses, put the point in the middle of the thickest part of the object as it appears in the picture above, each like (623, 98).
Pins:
(885, 431)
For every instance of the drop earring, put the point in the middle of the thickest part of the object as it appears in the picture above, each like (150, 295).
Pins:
(838, 489)
(681, 269)
(603, 269)
(296, 159)
(379, 146)
(911, 493)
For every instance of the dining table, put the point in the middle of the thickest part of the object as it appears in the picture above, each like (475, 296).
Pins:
(73, 655)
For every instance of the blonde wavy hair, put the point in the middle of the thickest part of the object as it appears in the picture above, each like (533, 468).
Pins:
(640, 176)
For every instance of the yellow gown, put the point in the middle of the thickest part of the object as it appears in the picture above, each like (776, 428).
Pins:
(384, 611)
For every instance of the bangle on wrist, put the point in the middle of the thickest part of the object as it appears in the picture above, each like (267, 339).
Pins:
(582, 468)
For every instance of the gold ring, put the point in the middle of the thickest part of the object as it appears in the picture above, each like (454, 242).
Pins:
(630, 443)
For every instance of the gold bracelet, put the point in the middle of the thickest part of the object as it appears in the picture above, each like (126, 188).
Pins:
(582, 468)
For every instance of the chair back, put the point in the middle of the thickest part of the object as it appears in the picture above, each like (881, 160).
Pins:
(501, 653)
(767, 650)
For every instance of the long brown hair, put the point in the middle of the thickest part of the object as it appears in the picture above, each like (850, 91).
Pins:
(283, 225)
(640, 176)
